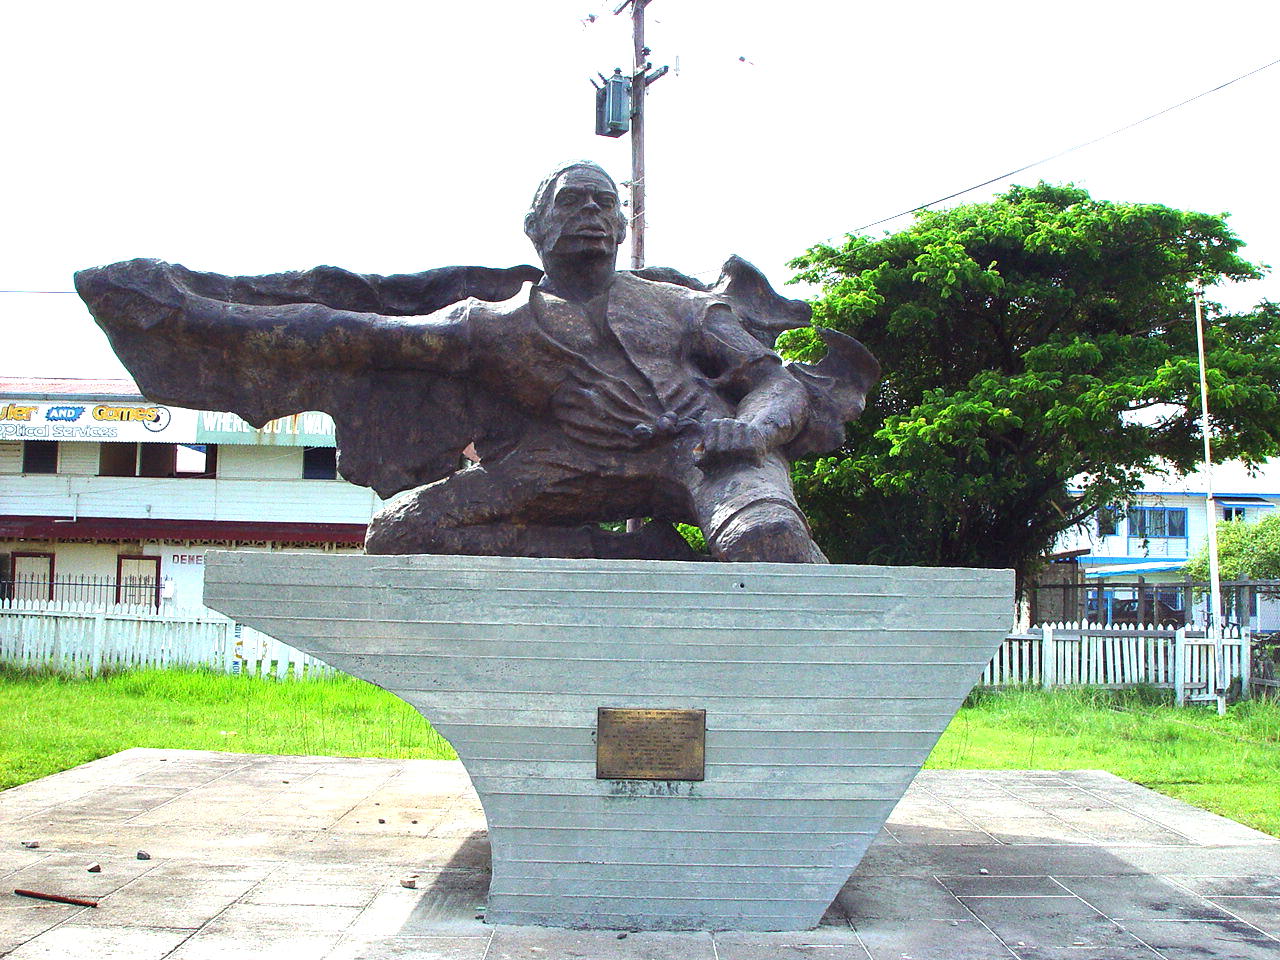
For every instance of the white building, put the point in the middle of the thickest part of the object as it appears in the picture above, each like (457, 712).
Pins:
(102, 490)
(1153, 538)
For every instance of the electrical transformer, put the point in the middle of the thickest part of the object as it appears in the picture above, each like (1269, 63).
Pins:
(613, 105)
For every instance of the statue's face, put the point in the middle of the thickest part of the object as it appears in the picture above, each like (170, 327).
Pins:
(582, 217)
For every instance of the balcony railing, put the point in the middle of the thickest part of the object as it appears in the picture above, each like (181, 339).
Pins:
(33, 591)
(1175, 547)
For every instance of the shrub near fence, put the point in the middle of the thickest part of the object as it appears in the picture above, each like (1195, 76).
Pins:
(88, 641)
(1120, 655)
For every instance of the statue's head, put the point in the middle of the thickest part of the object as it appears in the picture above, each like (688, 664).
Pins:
(576, 211)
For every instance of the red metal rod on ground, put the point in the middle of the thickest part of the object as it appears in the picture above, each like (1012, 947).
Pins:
(56, 899)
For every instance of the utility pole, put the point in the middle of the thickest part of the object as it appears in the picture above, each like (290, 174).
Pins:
(639, 86)
(1211, 509)
(640, 80)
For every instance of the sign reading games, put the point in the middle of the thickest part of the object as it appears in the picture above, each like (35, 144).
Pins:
(128, 422)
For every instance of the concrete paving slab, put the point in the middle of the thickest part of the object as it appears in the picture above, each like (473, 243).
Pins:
(246, 865)
(1260, 912)
(22, 920)
(177, 872)
(1142, 898)
(305, 894)
(541, 943)
(782, 950)
(838, 933)
(907, 898)
(1262, 886)
(225, 945)
(159, 902)
(886, 939)
(998, 886)
(1041, 928)
(270, 920)
(922, 834)
(1031, 830)
(101, 943)
(68, 874)
(1236, 860)
(412, 948)
(1197, 940)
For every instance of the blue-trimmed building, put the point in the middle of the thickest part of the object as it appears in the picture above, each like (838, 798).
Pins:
(1147, 544)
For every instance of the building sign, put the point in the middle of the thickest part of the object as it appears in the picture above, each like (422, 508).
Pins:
(300, 430)
(130, 422)
(142, 422)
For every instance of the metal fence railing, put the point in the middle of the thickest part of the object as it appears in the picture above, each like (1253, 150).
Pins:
(1135, 601)
(33, 591)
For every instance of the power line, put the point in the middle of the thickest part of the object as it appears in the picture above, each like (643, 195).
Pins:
(1063, 153)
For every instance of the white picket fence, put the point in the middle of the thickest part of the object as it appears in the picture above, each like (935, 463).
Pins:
(1120, 655)
(88, 641)
(84, 639)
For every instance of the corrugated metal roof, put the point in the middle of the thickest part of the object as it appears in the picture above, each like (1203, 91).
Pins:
(60, 388)
(1119, 569)
(1231, 478)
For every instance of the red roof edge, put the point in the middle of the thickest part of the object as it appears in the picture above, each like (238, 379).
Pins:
(133, 528)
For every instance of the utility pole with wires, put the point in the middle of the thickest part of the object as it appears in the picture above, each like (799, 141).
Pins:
(617, 94)
(1211, 509)
(619, 107)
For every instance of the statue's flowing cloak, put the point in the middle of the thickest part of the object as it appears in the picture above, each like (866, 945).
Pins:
(349, 345)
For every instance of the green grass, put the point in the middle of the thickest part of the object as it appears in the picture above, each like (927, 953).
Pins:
(1230, 765)
(50, 723)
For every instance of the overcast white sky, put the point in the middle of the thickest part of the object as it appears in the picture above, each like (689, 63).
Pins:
(251, 137)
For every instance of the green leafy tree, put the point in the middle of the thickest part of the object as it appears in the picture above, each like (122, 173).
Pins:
(1039, 357)
(1246, 551)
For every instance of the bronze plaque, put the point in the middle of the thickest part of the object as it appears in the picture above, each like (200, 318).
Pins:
(650, 744)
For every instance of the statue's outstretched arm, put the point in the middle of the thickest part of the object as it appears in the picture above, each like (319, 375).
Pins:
(259, 360)
(398, 295)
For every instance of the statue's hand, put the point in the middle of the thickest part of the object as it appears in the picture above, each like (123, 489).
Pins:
(729, 439)
(143, 291)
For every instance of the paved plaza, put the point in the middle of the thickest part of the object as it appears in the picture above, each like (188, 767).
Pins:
(304, 857)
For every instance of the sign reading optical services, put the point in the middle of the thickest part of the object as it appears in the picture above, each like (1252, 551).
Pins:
(141, 422)
(128, 422)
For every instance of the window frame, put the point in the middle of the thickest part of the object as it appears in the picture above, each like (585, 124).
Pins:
(312, 475)
(17, 555)
(1114, 514)
(210, 471)
(57, 458)
(121, 558)
(1142, 513)
(117, 446)
(164, 453)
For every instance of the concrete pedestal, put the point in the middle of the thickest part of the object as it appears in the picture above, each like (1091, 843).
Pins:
(825, 688)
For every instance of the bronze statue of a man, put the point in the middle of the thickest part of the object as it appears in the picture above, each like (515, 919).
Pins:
(590, 394)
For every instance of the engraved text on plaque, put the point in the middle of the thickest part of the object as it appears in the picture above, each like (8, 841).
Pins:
(636, 744)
